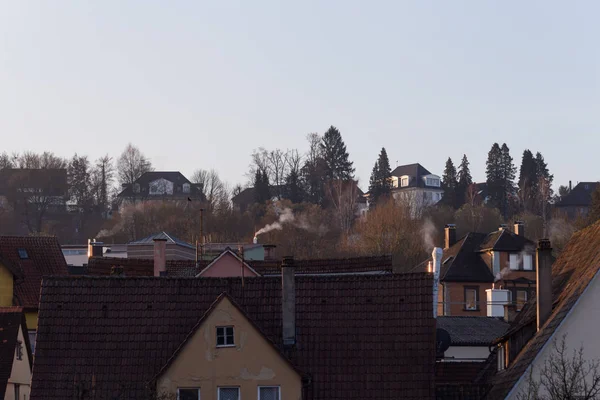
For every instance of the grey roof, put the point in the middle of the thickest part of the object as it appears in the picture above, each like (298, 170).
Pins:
(164, 236)
(172, 176)
(580, 195)
(415, 171)
(473, 331)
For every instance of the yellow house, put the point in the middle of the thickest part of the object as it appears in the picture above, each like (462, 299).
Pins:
(238, 361)
(15, 355)
(24, 261)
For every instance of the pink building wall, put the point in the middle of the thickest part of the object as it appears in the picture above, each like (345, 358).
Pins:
(225, 267)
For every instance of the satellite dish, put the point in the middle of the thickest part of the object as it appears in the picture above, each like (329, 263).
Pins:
(442, 339)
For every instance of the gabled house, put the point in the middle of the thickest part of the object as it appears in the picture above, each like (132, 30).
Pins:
(416, 186)
(578, 201)
(478, 262)
(176, 249)
(15, 355)
(160, 185)
(288, 337)
(24, 260)
(565, 306)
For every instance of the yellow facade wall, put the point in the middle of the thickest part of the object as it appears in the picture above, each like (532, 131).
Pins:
(250, 363)
(6, 287)
(32, 319)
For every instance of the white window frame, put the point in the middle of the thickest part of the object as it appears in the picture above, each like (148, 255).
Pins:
(186, 188)
(227, 387)
(188, 388)
(404, 181)
(528, 262)
(476, 299)
(217, 336)
(269, 387)
(514, 266)
(501, 362)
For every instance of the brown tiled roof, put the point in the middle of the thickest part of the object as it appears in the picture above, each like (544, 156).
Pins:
(328, 265)
(10, 320)
(505, 240)
(463, 262)
(378, 342)
(137, 267)
(44, 258)
(573, 270)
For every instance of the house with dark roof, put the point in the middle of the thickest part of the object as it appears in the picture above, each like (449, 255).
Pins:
(416, 185)
(478, 262)
(176, 249)
(565, 307)
(244, 199)
(578, 201)
(470, 337)
(160, 185)
(286, 337)
(15, 355)
(24, 260)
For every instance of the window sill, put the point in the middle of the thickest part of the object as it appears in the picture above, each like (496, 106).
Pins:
(471, 309)
(225, 345)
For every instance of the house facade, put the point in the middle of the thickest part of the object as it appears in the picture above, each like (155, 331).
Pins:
(15, 355)
(479, 262)
(416, 186)
(576, 204)
(159, 185)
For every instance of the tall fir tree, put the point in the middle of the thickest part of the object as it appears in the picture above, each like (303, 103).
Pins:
(528, 181)
(464, 181)
(508, 180)
(493, 173)
(261, 187)
(450, 184)
(293, 189)
(380, 184)
(544, 181)
(333, 148)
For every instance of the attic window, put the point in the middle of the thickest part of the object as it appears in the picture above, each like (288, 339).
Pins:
(186, 188)
(23, 254)
(404, 181)
(19, 350)
(225, 336)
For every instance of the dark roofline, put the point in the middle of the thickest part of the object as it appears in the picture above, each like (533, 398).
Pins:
(198, 324)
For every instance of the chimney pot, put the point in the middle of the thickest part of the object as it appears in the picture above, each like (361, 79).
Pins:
(450, 235)
(543, 281)
(160, 257)
(436, 255)
(288, 298)
(502, 227)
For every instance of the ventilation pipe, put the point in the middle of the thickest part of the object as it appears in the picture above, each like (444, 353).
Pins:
(436, 265)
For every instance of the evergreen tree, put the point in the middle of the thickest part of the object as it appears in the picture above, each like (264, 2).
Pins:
(464, 181)
(507, 183)
(261, 187)
(380, 184)
(293, 188)
(450, 184)
(528, 181)
(333, 149)
(493, 173)
(544, 181)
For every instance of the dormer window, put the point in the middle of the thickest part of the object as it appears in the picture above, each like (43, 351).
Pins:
(23, 254)
(432, 182)
(404, 181)
(136, 188)
(225, 336)
(186, 188)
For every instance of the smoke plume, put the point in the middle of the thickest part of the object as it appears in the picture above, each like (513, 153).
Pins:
(428, 233)
(286, 216)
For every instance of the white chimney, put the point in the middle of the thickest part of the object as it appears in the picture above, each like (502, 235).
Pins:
(496, 299)
(436, 254)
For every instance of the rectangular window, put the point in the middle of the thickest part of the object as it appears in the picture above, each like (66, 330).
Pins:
(229, 393)
(404, 182)
(225, 336)
(186, 188)
(269, 393)
(19, 350)
(521, 299)
(528, 262)
(471, 301)
(188, 394)
(514, 261)
(23, 254)
(32, 336)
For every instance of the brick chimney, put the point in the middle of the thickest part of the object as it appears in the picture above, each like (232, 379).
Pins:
(449, 235)
(288, 299)
(95, 249)
(543, 275)
(160, 257)
(436, 255)
(519, 228)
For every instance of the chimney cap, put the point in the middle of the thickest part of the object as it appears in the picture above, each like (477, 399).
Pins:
(287, 261)
(519, 222)
(450, 226)
(544, 244)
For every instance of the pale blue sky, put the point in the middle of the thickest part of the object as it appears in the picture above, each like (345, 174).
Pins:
(199, 85)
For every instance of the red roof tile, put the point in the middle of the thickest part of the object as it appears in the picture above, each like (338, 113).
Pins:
(43, 258)
(377, 343)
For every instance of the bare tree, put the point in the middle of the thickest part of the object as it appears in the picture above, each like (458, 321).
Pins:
(102, 177)
(278, 170)
(213, 188)
(563, 376)
(7, 160)
(260, 162)
(47, 160)
(132, 164)
(343, 197)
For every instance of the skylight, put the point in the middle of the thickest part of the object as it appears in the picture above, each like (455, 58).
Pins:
(23, 254)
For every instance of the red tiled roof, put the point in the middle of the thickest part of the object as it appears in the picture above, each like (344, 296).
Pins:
(572, 271)
(10, 320)
(44, 258)
(378, 342)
